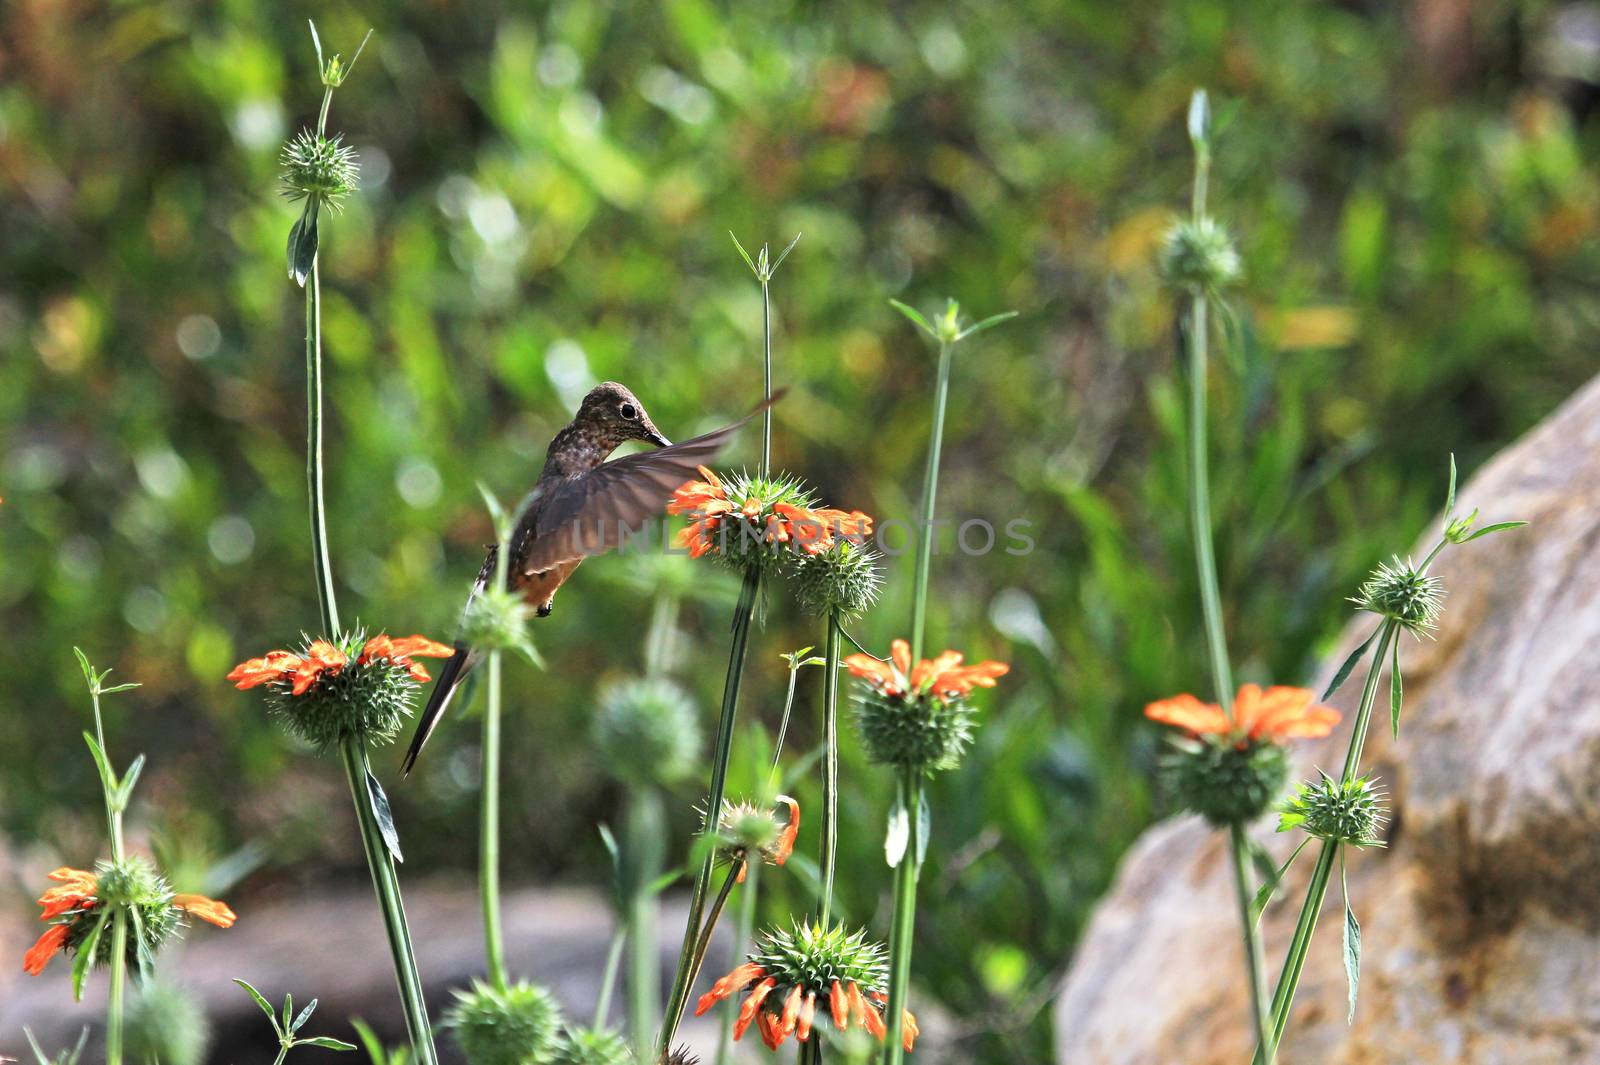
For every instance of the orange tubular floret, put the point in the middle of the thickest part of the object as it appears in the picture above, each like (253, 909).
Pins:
(872, 1022)
(839, 1007)
(752, 1004)
(786, 837)
(791, 1009)
(48, 946)
(209, 910)
(909, 1030)
(858, 1005)
(808, 1014)
(1187, 712)
(274, 665)
(880, 675)
(732, 984)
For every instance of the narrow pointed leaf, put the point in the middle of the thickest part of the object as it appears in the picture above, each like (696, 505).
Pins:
(1450, 495)
(915, 316)
(924, 829)
(1262, 861)
(108, 778)
(316, 42)
(303, 245)
(261, 1000)
(288, 1011)
(784, 254)
(988, 323)
(1499, 526)
(119, 687)
(744, 254)
(1352, 948)
(88, 670)
(129, 779)
(141, 950)
(1396, 692)
(898, 834)
(326, 1043)
(1349, 664)
(1264, 895)
(362, 47)
(380, 810)
(369, 1040)
(662, 882)
(305, 1015)
(1199, 117)
(86, 952)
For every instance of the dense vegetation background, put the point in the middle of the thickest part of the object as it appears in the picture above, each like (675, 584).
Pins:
(547, 194)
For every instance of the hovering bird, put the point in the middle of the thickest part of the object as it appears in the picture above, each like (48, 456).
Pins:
(582, 505)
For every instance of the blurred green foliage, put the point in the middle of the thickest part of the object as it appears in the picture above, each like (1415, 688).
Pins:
(548, 189)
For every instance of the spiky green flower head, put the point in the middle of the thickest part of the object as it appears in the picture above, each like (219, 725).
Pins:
(1198, 256)
(1400, 592)
(813, 958)
(1337, 811)
(748, 831)
(647, 731)
(165, 1024)
(520, 1025)
(590, 1046)
(133, 885)
(320, 168)
(680, 1056)
(1226, 782)
(924, 732)
(497, 620)
(747, 521)
(844, 578)
(348, 687)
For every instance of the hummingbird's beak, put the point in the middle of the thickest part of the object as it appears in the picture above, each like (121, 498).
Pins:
(653, 435)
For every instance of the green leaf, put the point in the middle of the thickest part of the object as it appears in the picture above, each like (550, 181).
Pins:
(744, 254)
(88, 670)
(1352, 946)
(288, 1010)
(129, 779)
(1499, 526)
(915, 316)
(782, 255)
(1349, 664)
(316, 42)
(86, 949)
(266, 1007)
(305, 1015)
(1262, 861)
(662, 882)
(497, 513)
(118, 687)
(1450, 495)
(898, 834)
(369, 1040)
(988, 323)
(141, 949)
(303, 244)
(326, 1043)
(385, 816)
(924, 829)
(1258, 905)
(108, 778)
(1396, 693)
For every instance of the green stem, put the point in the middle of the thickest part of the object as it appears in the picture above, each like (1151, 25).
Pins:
(1200, 510)
(830, 763)
(1317, 890)
(660, 638)
(113, 814)
(119, 977)
(645, 830)
(811, 1050)
(741, 936)
(489, 830)
(314, 465)
(766, 368)
(608, 979)
(930, 488)
(903, 925)
(683, 978)
(387, 887)
(1254, 953)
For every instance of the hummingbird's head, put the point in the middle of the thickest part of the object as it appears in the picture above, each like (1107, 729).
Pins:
(617, 416)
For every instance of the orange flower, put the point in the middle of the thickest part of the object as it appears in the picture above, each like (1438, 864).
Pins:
(209, 910)
(275, 665)
(1276, 714)
(401, 652)
(76, 892)
(779, 850)
(798, 1014)
(943, 677)
(808, 529)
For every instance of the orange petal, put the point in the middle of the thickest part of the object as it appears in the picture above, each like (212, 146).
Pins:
(1247, 707)
(839, 1007)
(731, 984)
(380, 646)
(872, 670)
(45, 948)
(752, 1004)
(771, 1032)
(423, 647)
(1187, 712)
(900, 654)
(791, 1008)
(872, 1022)
(858, 1005)
(786, 838)
(209, 910)
(808, 1015)
(908, 1030)
(257, 671)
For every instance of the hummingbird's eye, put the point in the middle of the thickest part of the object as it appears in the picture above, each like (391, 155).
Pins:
(629, 411)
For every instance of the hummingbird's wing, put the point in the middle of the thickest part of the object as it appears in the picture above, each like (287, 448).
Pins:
(594, 513)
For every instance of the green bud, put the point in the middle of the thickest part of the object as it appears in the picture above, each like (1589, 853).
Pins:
(927, 733)
(647, 731)
(518, 1026)
(1401, 593)
(589, 1046)
(844, 578)
(1198, 256)
(1224, 782)
(1336, 811)
(318, 167)
(165, 1024)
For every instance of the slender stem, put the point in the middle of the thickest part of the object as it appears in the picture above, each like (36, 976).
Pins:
(489, 830)
(387, 887)
(1317, 890)
(644, 834)
(702, 943)
(608, 979)
(314, 466)
(283, 1052)
(119, 977)
(661, 636)
(811, 1050)
(1200, 509)
(1254, 953)
(930, 488)
(741, 936)
(113, 813)
(684, 977)
(906, 875)
(830, 763)
(766, 367)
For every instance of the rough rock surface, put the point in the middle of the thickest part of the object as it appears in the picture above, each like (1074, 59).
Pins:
(1481, 920)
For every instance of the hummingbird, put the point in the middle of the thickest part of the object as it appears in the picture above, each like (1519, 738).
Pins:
(581, 505)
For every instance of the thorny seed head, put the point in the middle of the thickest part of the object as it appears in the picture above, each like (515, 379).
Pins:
(812, 957)
(1399, 592)
(497, 620)
(680, 1056)
(520, 1025)
(647, 730)
(165, 1023)
(747, 829)
(135, 885)
(1225, 782)
(923, 731)
(1198, 256)
(1339, 812)
(844, 578)
(320, 168)
(591, 1046)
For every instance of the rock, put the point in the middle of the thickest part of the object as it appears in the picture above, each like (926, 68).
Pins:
(1481, 919)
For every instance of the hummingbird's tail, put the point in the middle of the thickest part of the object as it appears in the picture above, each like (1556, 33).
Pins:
(450, 677)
